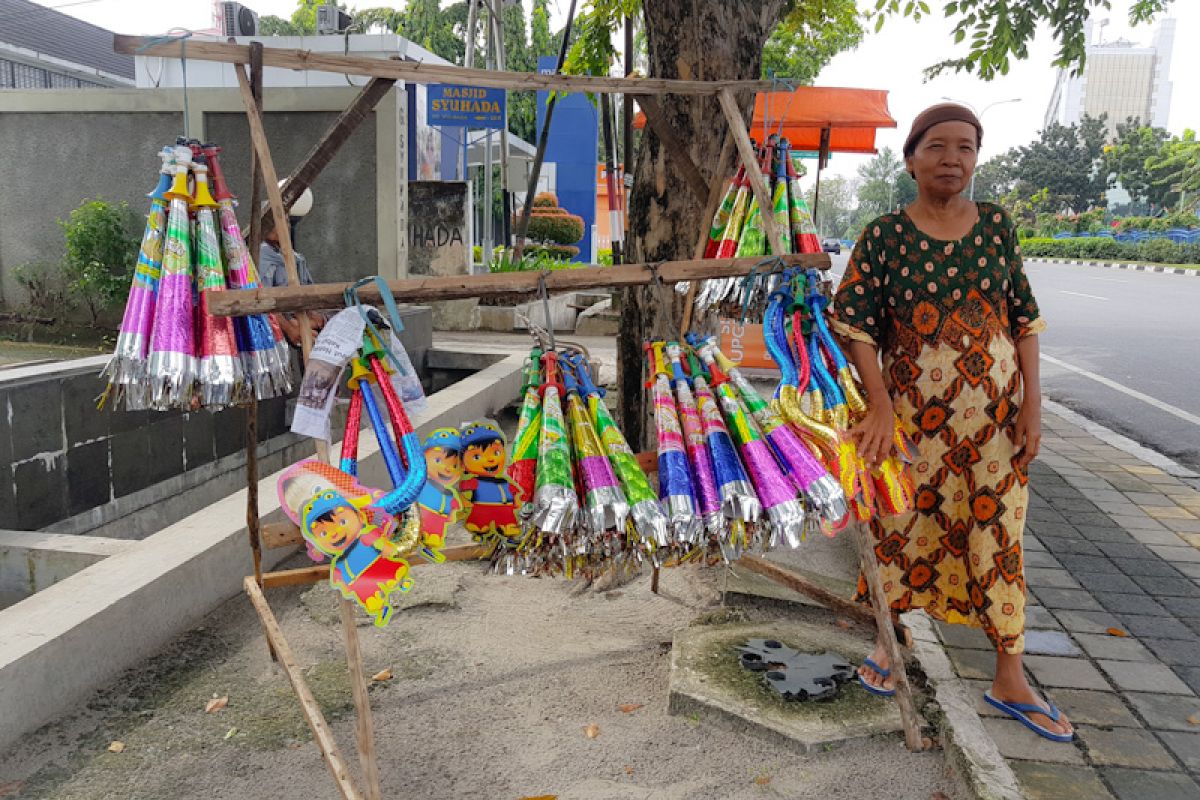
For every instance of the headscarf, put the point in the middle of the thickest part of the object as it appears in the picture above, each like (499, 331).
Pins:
(935, 115)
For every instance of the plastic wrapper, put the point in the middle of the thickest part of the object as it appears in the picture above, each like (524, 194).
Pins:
(708, 499)
(219, 368)
(171, 369)
(674, 473)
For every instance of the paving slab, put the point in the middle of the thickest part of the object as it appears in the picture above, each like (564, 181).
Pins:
(1120, 603)
(1041, 558)
(1155, 627)
(1049, 643)
(1179, 652)
(974, 664)
(1132, 676)
(1052, 578)
(1114, 648)
(1182, 607)
(1040, 617)
(1176, 555)
(1070, 673)
(1160, 537)
(1149, 567)
(1169, 587)
(963, 637)
(706, 678)
(1070, 599)
(1134, 784)
(1018, 742)
(1124, 747)
(1059, 782)
(1165, 712)
(1088, 621)
(1103, 582)
(1083, 706)
(1185, 746)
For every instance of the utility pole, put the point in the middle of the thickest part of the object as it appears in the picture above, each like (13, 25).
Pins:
(495, 7)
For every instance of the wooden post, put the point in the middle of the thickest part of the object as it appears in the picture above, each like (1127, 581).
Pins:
(362, 704)
(741, 137)
(365, 723)
(715, 191)
(252, 515)
(883, 621)
(308, 704)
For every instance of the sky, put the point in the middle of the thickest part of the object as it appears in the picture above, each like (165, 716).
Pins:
(892, 59)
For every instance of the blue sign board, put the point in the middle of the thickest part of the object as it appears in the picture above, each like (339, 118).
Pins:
(467, 106)
(572, 146)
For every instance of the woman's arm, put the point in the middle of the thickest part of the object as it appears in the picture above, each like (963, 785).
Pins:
(873, 434)
(1027, 435)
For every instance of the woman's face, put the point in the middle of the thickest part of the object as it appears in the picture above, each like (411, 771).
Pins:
(945, 159)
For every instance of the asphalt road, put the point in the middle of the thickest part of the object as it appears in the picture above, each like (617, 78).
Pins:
(1123, 349)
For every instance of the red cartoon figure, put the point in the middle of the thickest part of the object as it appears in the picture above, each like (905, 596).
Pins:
(439, 503)
(334, 515)
(486, 489)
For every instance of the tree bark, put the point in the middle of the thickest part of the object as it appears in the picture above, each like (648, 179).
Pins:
(696, 40)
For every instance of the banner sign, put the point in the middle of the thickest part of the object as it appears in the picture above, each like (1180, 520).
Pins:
(466, 106)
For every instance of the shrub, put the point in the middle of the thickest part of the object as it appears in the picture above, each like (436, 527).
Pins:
(545, 200)
(46, 290)
(604, 256)
(1155, 251)
(562, 252)
(102, 249)
(556, 228)
(1162, 251)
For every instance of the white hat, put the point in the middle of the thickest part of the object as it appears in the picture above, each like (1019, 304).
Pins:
(303, 204)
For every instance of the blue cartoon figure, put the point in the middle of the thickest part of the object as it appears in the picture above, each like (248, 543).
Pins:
(486, 488)
(439, 503)
(335, 518)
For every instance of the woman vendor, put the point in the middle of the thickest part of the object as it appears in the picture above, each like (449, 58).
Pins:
(938, 291)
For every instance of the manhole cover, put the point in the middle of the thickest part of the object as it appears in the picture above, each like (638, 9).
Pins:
(796, 675)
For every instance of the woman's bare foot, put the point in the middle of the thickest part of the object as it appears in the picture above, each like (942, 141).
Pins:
(873, 678)
(1011, 686)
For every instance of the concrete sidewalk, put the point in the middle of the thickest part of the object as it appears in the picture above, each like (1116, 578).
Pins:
(1112, 555)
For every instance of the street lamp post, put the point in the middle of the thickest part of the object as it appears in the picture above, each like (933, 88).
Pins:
(980, 114)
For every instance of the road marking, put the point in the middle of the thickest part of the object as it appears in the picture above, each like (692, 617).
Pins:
(1110, 280)
(1134, 393)
(1081, 294)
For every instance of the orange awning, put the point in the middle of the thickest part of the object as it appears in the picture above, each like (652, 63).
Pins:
(851, 115)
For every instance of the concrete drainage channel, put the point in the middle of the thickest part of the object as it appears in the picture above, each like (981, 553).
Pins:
(101, 604)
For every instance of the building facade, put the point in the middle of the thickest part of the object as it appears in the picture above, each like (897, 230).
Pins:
(1120, 80)
(41, 48)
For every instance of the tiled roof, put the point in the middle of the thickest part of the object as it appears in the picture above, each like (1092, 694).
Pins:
(44, 30)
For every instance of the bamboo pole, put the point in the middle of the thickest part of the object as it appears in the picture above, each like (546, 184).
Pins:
(883, 622)
(741, 137)
(420, 72)
(455, 287)
(251, 428)
(308, 704)
(362, 704)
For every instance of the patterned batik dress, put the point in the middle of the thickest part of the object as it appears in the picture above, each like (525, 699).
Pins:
(945, 317)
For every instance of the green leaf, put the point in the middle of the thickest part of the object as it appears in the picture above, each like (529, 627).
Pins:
(879, 23)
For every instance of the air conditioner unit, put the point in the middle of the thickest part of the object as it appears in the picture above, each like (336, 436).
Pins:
(237, 20)
(331, 19)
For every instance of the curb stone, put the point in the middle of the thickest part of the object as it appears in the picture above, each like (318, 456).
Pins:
(967, 744)
(1116, 265)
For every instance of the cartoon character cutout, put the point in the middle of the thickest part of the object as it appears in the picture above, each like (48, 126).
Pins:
(486, 488)
(439, 503)
(336, 519)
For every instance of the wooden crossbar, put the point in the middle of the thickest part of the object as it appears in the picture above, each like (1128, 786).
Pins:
(418, 72)
(457, 287)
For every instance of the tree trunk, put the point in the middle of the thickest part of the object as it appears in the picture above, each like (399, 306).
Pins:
(691, 40)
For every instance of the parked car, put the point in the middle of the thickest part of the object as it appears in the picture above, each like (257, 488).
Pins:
(832, 246)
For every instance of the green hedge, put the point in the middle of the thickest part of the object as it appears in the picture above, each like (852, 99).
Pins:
(1153, 251)
(556, 228)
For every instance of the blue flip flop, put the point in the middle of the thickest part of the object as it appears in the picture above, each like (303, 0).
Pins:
(1020, 712)
(883, 673)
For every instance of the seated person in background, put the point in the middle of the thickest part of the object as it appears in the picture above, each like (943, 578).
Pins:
(272, 272)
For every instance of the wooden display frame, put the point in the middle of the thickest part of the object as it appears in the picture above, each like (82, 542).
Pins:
(295, 297)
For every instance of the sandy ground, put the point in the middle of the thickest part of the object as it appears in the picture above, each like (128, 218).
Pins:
(495, 680)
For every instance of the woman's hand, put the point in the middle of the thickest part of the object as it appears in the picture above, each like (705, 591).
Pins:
(874, 433)
(1027, 435)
